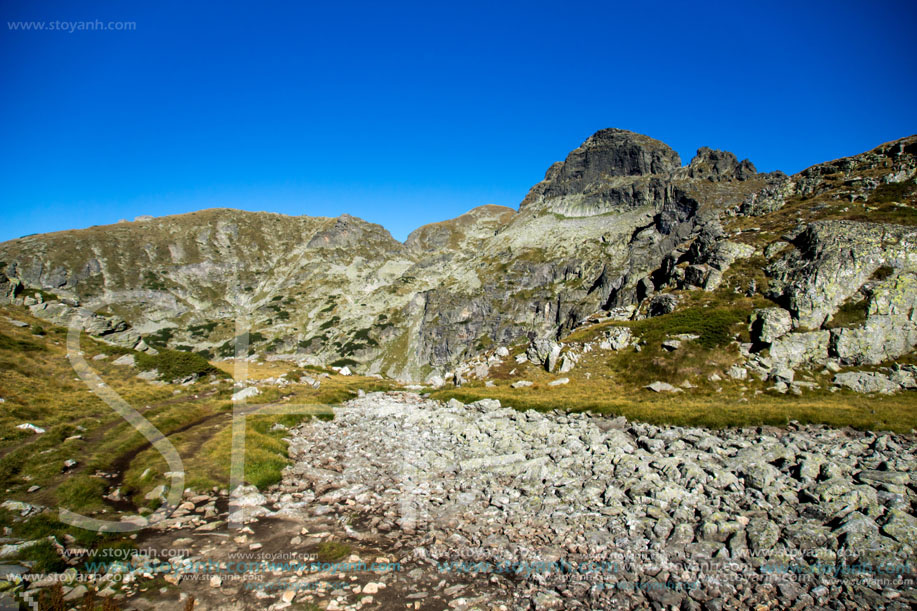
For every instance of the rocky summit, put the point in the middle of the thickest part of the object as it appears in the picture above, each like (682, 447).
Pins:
(620, 222)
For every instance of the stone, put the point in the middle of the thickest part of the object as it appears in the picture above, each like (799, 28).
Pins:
(28, 426)
(521, 384)
(769, 324)
(866, 382)
(662, 304)
(737, 373)
(662, 387)
(126, 360)
(617, 338)
(559, 382)
(544, 352)
(246, 393)
(436, 381)
(567, 363)
(800, 349)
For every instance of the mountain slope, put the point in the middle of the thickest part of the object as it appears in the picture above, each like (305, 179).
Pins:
(619, 220)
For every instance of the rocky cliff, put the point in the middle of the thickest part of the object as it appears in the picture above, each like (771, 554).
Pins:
(616, 226)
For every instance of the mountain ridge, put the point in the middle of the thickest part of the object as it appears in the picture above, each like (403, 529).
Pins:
(604, 230)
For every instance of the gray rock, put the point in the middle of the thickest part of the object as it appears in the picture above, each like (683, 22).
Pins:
(769, 324)
(662, 387)
(866, 382)
(662, 304)
(126, 360)
(617, 338)
(800, 349)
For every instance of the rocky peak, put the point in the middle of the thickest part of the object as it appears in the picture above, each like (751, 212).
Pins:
(618, 152)
(716, 166)
(612, 169)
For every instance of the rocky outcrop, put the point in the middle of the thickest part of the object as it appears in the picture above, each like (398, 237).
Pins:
(890, 329)
(832, 260)
(614, 169)
(717, 166)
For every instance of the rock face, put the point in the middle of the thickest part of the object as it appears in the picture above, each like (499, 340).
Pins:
(616, 226)
(719, 165)
(613, 169)
(832, 260)
(478, 485)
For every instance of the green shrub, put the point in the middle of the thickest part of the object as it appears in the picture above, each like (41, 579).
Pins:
(44, 557)
(713, 325)
(344, 363)
(329, 323)
(173, 364)
(850, 314)
(332, 551)
(892, 192)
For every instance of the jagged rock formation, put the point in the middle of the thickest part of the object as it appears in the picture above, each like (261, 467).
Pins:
(618, 224)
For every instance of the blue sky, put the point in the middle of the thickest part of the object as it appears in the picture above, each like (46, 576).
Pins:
(405, 114)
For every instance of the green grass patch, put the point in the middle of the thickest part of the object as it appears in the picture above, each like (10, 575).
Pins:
(44, 558)
(850, 314)
(332, 551)
(81, 492)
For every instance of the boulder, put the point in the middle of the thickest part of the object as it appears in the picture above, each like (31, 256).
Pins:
(769, 324)
(662, 304)
(866, 382)
(544, 352)
(436, 381)
(662, 387)
(246, 393)
(890, 329)
(799, 349)
(832, 261)
(617, 338)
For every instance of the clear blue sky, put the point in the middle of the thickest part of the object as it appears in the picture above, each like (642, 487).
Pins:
(405, 114)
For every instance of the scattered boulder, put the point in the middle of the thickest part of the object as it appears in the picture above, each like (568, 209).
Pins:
(617, 338)
(559, 382)
(544, 352)
(866, 382)
(769, 324)
(126, 360)
(567, 362)
(521, 384)
(246, 393)
(436, 381)
(664, 303)
(799, 349)
(662, 387)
